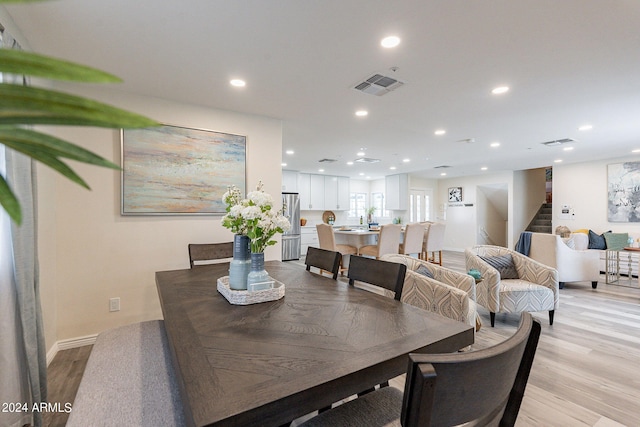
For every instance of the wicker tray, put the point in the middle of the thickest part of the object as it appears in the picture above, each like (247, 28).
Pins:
(249, 297)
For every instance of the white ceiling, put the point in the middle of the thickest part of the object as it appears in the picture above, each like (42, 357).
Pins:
(568, 63)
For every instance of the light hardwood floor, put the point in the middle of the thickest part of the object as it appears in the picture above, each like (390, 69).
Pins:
(586, 370)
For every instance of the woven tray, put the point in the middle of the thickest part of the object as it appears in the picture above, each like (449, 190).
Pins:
(249, 297)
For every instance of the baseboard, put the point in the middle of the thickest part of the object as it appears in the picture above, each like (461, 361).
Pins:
(68, 344)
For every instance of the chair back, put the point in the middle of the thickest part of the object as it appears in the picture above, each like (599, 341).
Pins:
(326, 238)
(387, 275)
(389, 239)
(413, 237)
(484, 386)
(209, 252)
(323, 259)
(434, 238)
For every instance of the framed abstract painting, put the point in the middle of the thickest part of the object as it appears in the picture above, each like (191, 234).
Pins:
(172, 170)
(623, 192)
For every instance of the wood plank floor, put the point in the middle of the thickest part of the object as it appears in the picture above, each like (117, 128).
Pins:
(586, 371)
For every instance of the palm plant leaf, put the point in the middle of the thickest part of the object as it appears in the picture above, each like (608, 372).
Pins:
(33, 143)
(9, 201)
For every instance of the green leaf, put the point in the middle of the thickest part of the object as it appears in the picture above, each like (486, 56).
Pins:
(30, 105)
(21, 62)
(10, 202)
(59, 166)
(31, 143)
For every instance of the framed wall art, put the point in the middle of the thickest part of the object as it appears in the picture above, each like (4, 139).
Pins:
(455, 194)
(623, 192)
(172, 170)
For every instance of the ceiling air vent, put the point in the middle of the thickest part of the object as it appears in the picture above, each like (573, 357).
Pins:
(442, 167)
(327, 160)
(378, 85)
(557, 142)
(366, 160)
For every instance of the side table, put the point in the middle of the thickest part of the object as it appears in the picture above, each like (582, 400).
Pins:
(613, 260)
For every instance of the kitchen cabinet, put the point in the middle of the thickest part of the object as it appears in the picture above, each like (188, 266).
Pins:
(323, 192)
(308, 237)
(336, 193)
(311, 189)
(289, 181)
(397, 192)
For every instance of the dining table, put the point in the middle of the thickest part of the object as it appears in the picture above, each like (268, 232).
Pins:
(269, 363)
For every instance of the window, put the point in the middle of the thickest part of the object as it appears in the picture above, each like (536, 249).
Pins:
(358, 205)
(377, 201)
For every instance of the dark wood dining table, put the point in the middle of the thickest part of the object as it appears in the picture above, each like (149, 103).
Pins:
(267, 364)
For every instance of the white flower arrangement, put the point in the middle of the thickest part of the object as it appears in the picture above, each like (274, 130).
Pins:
(253, 217)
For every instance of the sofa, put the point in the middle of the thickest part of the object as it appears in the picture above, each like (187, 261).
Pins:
(448, 293)
(573, 265)
(586, 239)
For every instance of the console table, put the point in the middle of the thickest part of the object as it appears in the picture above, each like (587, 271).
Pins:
(629, 257)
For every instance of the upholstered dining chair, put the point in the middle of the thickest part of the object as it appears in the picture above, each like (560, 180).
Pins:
(413, 238)
(324, 260)
(201, 252)
(433, 242)
(512, 282)
(483, 387)
(327, 240)
(388, 241)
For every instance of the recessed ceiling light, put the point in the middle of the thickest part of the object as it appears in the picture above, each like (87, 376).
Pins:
(320, 170)
(406, 160)
(440, 132)
(238, 83)
(350, 163)
(484, 168)
(637, 150)
(360, 153)
(289, 152)
(443, 174)
(361, 174)
(557, 161)
(494, 144)
(391, 41)
(392, 168)
(585, 127)
(500, 90)
(362, 113)
(283, 164)
(567, 148)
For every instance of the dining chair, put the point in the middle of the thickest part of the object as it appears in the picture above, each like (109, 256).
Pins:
(413, 238)
(208, 252)
(388, 240)
(483, 387)
(384, 274)
(327, 240)
(433, 242)
(324, 260)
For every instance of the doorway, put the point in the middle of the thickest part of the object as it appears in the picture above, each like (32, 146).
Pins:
(420, 201)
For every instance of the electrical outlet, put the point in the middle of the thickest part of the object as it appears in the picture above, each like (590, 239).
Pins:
(114, 304)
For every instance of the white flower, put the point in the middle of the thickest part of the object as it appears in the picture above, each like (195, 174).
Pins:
(251, 212)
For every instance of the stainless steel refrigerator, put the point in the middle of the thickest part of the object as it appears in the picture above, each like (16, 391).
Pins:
(291, 239)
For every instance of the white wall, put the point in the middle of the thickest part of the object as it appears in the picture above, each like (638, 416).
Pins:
(90, 253)
(584, 187)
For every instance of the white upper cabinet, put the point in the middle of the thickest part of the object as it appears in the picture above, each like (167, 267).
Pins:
(397, 192)
(323, 192)
(289, 181)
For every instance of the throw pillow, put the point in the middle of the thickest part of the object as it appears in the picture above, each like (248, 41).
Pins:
(597, 241)
(424, 271)
(582, 230)
(504, 264)
(616, 241)
(569, 241)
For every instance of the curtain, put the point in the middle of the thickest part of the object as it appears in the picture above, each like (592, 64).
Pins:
(23, 366)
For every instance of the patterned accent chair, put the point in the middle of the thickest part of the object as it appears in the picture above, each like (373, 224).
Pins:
(449, 293)
(535, 288)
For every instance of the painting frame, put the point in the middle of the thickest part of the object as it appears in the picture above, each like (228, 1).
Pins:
(623, 192)
(178, 170)
(455, 194)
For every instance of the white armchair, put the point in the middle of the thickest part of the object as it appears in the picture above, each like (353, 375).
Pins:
(534, 289)
(449, 293)
(573, 265)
